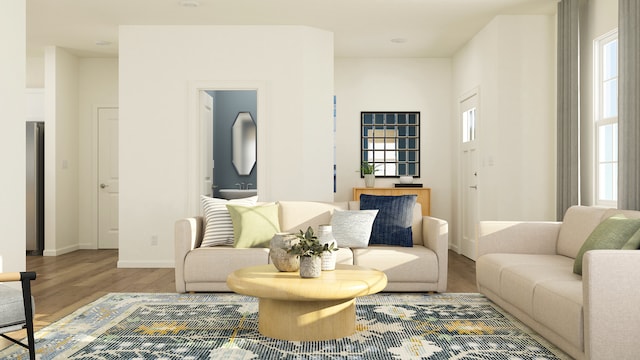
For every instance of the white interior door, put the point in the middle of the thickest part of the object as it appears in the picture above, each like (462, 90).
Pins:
(108, 178)
(206, 137)
(469, 191)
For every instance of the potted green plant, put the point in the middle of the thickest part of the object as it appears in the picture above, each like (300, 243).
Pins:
(310, 250)
(368, 171)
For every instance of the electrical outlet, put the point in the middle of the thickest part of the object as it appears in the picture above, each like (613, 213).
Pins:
(154, 240)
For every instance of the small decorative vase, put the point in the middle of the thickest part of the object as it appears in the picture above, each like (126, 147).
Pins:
(369, 180)
(310, 266)
(283, 261)
(326, 237)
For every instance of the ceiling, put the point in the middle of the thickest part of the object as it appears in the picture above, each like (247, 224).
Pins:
(362, 28)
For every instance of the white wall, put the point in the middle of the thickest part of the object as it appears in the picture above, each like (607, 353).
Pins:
(598, 18)
(422, 85)
(35, 72)
(511, 61)
(158, 68)
(12, 136)
(61, 151)
(97, 87)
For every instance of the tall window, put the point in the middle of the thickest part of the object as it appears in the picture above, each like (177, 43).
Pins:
(606, 118)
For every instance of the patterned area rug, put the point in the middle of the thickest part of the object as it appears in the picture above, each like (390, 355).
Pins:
(225, 326)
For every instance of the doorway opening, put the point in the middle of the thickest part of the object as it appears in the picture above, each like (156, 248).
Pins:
(228, 123)
(210, 167)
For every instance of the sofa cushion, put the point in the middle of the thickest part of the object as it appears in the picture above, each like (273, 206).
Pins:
(557, 303)
(218, 226)
(400, 264)
(393, 225)
(254, 226)
(344, 256)
(299, 215)
(519, 282)
(506, 274)
(541, 286)
(611, 233)
(12, 307)
(352, 228)
(578, 223)
(214, 264)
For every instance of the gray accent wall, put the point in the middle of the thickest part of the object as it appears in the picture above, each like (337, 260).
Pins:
(226, 106)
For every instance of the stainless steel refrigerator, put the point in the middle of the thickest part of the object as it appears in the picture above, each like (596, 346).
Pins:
(35, 187)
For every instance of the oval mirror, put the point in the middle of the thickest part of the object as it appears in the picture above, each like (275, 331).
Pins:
(243, 142)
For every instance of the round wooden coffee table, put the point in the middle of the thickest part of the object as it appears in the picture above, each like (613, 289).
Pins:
(297, 309)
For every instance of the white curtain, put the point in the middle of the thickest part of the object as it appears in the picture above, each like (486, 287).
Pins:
(568, 142)
(629, 104)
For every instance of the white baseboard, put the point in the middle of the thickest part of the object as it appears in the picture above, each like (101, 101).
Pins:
(61, 251)
(146, 264)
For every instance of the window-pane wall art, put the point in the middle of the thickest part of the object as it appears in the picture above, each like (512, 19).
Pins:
(390, 141)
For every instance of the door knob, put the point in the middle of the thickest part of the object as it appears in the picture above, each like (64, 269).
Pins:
(102, 186)
(474, 187)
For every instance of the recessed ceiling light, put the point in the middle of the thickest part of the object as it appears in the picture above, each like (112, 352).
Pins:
(398, 40)
(189, 3)
(103, 42)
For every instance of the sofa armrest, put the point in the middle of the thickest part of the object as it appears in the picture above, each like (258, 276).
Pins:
(611, 289)
(435, 233)
(188, 235)
(517, 237)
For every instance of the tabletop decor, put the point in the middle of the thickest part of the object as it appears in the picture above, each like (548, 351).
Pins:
(325, 236)
(310, 252)
(278, 252)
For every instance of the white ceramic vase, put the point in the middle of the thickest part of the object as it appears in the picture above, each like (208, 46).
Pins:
(325, 236)
(369, 180)
(310, 266)
(280, 258)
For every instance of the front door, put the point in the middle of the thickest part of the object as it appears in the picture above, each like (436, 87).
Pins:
(108, 178)
(469, 191)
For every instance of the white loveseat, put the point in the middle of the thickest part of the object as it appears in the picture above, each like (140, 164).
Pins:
(422, 267)
(527, 269)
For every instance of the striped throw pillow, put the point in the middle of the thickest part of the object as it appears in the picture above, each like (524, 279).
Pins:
(218, 226)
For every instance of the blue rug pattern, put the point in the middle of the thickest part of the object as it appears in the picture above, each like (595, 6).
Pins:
(225, 326)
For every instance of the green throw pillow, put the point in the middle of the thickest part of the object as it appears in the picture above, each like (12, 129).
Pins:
(253, 226)
(612, 233)
(633, 243)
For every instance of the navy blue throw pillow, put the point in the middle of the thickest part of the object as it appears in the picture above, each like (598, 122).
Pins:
(392, 226)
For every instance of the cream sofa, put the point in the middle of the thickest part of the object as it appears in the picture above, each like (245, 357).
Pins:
(527, 269)
(422, 267)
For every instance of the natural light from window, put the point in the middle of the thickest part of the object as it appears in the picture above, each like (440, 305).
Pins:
(469, 125)
(606, 118)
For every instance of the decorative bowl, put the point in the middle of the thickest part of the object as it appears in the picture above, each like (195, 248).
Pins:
(406, 179)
